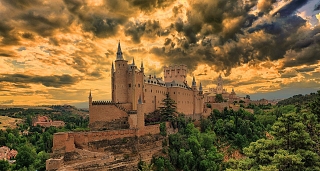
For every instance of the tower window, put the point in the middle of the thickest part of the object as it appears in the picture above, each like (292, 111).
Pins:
(129, 85)
(138, 85)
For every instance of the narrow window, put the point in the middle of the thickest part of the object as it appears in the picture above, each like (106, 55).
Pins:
(129, 85)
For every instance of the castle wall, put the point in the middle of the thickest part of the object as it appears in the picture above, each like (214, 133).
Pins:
(135, 87)
(120, 82)
(184, 99)
(105, 113)
(153, 96)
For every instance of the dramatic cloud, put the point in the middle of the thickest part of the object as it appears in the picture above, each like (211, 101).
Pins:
(49, 81)
(66, 47)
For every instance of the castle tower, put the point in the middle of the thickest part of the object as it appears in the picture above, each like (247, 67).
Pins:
(200, 89)
(120, 84)
(177, 73)
(133, 88)
(220, 85)
(194, 84)
(90, 99)
(140, 115)
(112, 83)
(142, 68)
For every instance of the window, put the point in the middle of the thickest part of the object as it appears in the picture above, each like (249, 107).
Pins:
(129, 85)
(138, 85)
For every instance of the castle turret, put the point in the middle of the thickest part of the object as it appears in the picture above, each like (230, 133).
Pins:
(140, 115)
(200, 88)
(112, 82)
(90, 99)
(219, 89)
(194, 84)
(142, 68)
(120, 83)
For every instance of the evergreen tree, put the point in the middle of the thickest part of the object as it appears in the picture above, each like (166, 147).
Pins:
(168, 110)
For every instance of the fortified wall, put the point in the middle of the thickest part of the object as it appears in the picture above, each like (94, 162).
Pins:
(105, 150)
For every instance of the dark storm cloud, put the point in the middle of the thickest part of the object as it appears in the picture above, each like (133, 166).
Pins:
(43, 22)
(136, 30)
(22, 4)
(225, 18)
(307, 69)
(7, 33)
(150, 5)
(48, 81)
(99, 22)
(307, 56)
(291, 8)
(28, 35)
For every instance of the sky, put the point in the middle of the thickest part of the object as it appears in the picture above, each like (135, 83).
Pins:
(54, 52)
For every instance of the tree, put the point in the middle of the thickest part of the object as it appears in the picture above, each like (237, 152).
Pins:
(4, 165)
(26, 156)
(219, 98)
(247, 97)
(315, 106)
(168, 110)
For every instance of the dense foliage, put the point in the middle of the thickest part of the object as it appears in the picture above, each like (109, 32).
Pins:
(293, 143)
(298, 100)
(237, 128)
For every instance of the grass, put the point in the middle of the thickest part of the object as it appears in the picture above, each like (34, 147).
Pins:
(7, 122)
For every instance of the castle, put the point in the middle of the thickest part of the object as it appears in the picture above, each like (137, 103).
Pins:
(130, 86)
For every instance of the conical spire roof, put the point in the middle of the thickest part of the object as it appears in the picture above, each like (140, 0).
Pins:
(200, 87)
(119, 52)
(194, 82)
(90, 94)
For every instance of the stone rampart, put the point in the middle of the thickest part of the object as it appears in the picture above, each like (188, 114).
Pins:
(105, 112)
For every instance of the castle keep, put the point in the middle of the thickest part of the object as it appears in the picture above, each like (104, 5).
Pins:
(130, 86)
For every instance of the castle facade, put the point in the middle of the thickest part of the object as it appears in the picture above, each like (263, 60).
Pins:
(129, 85)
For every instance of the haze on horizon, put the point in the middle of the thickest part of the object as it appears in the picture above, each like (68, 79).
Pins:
(54, 52)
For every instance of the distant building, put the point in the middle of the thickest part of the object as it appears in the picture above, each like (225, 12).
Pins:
(44, 121)
(7, 154)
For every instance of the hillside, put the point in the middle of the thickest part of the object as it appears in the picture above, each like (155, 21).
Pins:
(8, 122)
(298, 99)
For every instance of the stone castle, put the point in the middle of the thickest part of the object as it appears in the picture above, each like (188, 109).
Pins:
(130, 86)
(118, 137)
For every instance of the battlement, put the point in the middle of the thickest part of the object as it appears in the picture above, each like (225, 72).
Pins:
(102, 103)
(176, 72)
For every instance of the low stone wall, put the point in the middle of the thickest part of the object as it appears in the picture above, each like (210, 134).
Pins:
(121, 123)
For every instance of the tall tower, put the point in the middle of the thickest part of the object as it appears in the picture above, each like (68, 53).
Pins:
(220, 85)
(133, 87)
(112, 83)
(120, 83)
(194, 84)
(142, 68)
(200, 89)
(176, 73)
(90, 99)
